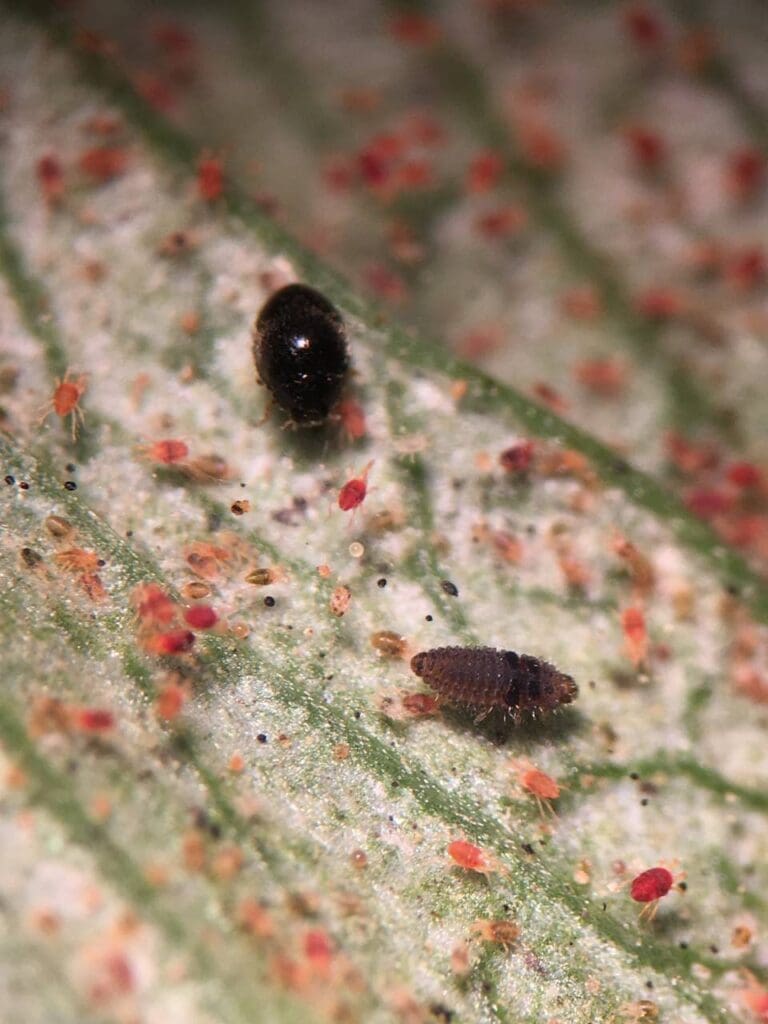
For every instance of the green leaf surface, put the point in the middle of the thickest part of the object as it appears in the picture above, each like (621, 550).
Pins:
(130, 857)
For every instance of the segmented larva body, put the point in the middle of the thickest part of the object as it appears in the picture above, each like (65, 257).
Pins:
(484, 677)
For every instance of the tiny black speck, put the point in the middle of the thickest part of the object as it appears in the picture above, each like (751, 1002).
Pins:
(381, 583)
(358, 714)
(428, 618)
(527, 848)
(300, 351)
(24, 485)
(262, 737)
(71, 467)
(634, 776)
(450, 588)
(70, 485)
(269, 601)
(10, 480)
(644, 802)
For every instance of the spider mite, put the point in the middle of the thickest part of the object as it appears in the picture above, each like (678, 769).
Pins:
(353, 493)
(542, 787)
(65, 400)
(92, 720)
(153, 605)
(210, 178)
(635, 635)
(503, 933)
(472, 858)
(642, 1010)
(405, 707)
(78, 560)
(167, 452)
(50, 175)
(300, 351)
(649, 887)
(486, 678)
(351, 416)
(753, 995)
(388, 643)
(176, 641)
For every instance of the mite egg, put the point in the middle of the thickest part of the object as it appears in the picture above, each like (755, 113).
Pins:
(486, 678)
(300, 351)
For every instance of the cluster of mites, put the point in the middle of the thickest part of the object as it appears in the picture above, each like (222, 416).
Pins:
(300, 351)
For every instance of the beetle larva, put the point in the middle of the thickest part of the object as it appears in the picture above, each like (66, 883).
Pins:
(486, 678)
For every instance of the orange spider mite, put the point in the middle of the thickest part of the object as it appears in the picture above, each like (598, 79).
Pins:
(65, 400)
(472, 858)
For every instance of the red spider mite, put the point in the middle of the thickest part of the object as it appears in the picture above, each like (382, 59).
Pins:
(415, 29)
(93, 720)
(155, 90)
(153, 605)
(754, 996)
(78, 560)
(352, 418)
(635, 634)
(103, 163)
(484, 171)
(745, 172)
(541, 786)
(210, 177)
(92, 585)
(646, 147)
(65, 400)
(200, 616)
(517, 458)
(169, 452)
(604, 377)
(541, 147)
(173, 39)
(649, 887)
(318, 950)
(51, 177)
(177, 641)
(420, 705)
(170, 701)
(643, 26)
(744, 475)
(353, 493)
(503, 933)
(472, 858)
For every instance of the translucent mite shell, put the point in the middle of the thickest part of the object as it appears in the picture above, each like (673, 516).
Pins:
(486, 678)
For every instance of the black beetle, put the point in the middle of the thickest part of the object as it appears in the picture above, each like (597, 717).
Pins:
(300, 351)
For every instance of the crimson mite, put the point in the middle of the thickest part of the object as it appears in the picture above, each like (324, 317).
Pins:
(486, 678)
(651, 886)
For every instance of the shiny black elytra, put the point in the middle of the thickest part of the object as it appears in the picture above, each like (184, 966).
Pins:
(300, 350)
